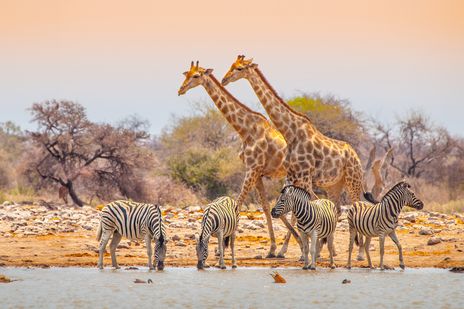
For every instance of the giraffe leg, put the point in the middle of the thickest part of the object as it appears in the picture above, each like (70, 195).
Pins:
(334, 194)
(291, 231)
(267, 213)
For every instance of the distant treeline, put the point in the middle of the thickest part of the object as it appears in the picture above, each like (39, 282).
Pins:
(195, 158)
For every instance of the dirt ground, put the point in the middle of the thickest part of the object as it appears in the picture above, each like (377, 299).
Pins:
(78, 247)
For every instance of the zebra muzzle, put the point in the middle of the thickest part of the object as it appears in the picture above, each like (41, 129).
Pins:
(160, 265)
(200, 265)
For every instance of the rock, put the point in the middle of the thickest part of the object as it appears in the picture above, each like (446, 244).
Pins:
(131, 268)
(189, 236)
(258, 257)
(181, 244)
(139, 281)
(258, 223)
(4, 279)
(411, 217)
(457, 269)
(346, 281)
(433, 241)
(425, 231)
(7, 203)
(175, 238)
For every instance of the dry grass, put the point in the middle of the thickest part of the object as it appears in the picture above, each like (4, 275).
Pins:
(447, 207)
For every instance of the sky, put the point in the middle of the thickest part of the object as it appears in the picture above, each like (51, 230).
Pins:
(120, 58)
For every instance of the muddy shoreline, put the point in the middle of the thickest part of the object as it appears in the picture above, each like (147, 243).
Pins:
(36, 236)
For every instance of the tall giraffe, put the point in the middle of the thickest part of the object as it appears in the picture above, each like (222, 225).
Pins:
(263, 148)
(312, 157)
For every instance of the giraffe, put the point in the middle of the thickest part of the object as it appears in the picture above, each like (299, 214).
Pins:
(263, 148)
(312, 158)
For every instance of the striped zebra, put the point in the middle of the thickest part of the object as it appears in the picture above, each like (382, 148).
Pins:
(220, 220)
(317, 219)
(134, 221)
(380, 219)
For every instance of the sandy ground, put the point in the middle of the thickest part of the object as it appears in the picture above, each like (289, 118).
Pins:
(72, 242)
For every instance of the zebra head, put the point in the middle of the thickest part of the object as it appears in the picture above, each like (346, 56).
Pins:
(410, 198)
(160, 251)
(284, 203)
(202, 250)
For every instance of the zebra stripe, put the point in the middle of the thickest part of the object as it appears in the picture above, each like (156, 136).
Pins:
(381, 219)
(317, 219)
(134, 221)
(220, 220)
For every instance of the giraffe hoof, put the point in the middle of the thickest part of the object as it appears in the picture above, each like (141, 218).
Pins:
(234, 266)
(360, 258)
(312, 267)
(305, 267)
(270, 256)
(301, 259)
(281, 256)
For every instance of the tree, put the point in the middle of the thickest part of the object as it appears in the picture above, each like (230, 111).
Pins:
(71, 147)
(417, 143)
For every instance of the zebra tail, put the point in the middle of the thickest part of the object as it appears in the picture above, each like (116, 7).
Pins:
(323, 241)
(99, 232)
(226, 241)
(356, 239)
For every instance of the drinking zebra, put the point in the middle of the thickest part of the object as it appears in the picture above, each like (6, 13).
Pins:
(134, 221)
(381, 219)
(317, 219)
(220, 220)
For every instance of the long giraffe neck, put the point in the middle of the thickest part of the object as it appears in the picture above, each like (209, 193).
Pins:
(235, 112)
(283, 116)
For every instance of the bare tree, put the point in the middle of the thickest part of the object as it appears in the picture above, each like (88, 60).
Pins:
(72, 147)
(416, 143)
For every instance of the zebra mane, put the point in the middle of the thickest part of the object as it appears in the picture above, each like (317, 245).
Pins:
(161, 237)
(296, 187)
(395, 188)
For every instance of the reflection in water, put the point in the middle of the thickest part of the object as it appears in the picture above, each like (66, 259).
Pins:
(243, 288)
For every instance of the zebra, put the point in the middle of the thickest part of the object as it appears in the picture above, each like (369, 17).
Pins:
(220, 220)
(380, 219)
(134, 221)
(317, 219)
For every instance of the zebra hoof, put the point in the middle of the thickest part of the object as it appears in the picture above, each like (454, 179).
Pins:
(100, 266)
(332, 266)
(312, 268)
(116, 267)
(348, 267)
(402, 266)
(234, 266)
(223, 267)
(301, 259)
(305, 267)
(360, 258)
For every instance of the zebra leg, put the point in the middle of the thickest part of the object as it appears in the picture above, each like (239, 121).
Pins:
(330, 246)
(366, 248)
(232, 249)
(103, 242)
(400, 249)
(113, 245)
(267, 213)
(361, 249)
(382, 249)
(149, 251)
(305, 241)
(314, 241)
(350, 247)
(221, 263)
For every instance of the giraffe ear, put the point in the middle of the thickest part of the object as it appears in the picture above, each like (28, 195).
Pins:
(208, 71)
(185, 73)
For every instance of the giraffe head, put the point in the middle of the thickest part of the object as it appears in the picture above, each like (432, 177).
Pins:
(239, 69)
(193, 77)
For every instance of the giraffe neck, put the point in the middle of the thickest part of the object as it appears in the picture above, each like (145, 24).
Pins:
(235, 112)
(283, 116)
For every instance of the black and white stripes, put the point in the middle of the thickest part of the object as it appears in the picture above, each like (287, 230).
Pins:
(381, 219)
(220, 220)
(316, 218)
(134, 221)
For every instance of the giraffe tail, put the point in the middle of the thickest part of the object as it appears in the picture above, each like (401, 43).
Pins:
(370, 198)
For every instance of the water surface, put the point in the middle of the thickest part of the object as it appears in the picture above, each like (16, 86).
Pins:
(241, 288)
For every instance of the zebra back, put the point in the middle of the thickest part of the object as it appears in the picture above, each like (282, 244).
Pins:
(222, 213)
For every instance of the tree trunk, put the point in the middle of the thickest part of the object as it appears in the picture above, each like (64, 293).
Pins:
(73, 194)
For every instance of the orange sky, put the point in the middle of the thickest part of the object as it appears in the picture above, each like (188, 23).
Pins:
(128, 55)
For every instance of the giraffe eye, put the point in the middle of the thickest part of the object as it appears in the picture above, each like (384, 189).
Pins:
(196, 76)
(239, 69)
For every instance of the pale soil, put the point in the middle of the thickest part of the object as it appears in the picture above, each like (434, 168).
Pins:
(48, 246)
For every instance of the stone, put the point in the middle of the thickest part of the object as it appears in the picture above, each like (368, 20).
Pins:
(181, 244)
(175, 238)
(433, 241)
(410, 217)
(425, 231)
(189, 236)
